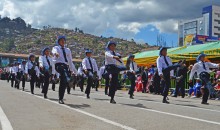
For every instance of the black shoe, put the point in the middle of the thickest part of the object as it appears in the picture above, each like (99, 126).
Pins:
(106, 93)
(53, 89)
(32, 92)
(23, 89)
(112, 101)
(165, 101)
(68, 93)
(81, 90)
(131, 97)
(45, 96)
(61, 102)
(205, 103)
(174, 96)
(88, 97)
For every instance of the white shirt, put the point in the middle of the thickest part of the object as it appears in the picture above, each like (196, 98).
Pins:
(22, 68)
(86, 64)
(109, 60)
(61, 59)
(80, 71)
(29, 65)
(198, 67)
(161, 64)
(135, 67)
(14, 70)
(43, 63)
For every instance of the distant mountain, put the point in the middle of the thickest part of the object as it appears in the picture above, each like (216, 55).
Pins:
(18, 37)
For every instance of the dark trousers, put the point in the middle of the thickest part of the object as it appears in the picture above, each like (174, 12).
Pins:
(114, 71)
(180, 86)
(205, 95)
(132, 78)
(46, 83)
(32, 82)
(106, 85)
(166, 75)
(23, 81)
(144, 86)
(12, 80)
(81, 82)
(53, 86)
(62, 69)
(8, 77)
(89, 83)
(113, 85)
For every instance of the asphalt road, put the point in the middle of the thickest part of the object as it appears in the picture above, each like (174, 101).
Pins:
(23, 111)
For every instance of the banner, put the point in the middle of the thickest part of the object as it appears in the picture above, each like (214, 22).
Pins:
(188, 39)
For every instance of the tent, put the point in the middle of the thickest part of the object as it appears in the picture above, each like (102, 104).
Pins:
(189, 53)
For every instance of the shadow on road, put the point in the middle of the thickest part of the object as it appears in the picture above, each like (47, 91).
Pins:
(78, 106)
(139, 105)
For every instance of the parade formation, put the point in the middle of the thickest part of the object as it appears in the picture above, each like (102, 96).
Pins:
(55, 65)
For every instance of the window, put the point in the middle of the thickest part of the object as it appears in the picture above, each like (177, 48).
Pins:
(218, 14)
(217, 21)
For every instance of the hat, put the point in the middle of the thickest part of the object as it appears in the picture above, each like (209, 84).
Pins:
(43, 51)
(110, 43)
(30, 55)
(131, 55)
(88, 51)
(200, 56)
(60, 37)
(146, 68)
(23, 61)
(161, 49)
(198, 79)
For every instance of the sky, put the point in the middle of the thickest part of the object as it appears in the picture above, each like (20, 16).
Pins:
(141, 20)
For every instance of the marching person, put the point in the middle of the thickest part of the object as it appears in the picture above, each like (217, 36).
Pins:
(165, 70)
(55, 79)
(105, 75)
(47, 68)
(63, 63)
(111, 59)
(132, 74)
(32, 70)
(18, 75)
(90, 68)
(22, 71)
(203, 69)
(81, 77)
(13, 73)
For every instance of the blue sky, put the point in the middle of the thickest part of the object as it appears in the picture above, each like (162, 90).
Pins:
(150, 33)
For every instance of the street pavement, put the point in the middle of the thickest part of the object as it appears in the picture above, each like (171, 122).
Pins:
(24, 111)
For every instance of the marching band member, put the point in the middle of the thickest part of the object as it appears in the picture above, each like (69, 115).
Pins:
(91, 69)
(22, 71)
(203, 69)
(111, 59)
(131, 74)
(63, 63)
(165, 70)
(104, 74)
(32, 70)
(47, 67)
(81, 76)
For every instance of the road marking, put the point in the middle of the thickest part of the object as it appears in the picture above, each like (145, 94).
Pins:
(167, 113)
(205, 109)
(88, 114)
(5, 123)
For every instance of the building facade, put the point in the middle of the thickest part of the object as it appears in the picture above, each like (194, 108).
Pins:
(200, 30)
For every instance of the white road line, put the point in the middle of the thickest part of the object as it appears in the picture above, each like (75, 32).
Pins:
(5, 123)
(205, 109)
(88, 114)
(167, 113)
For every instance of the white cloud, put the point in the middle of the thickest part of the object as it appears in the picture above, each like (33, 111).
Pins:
(124, 18)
